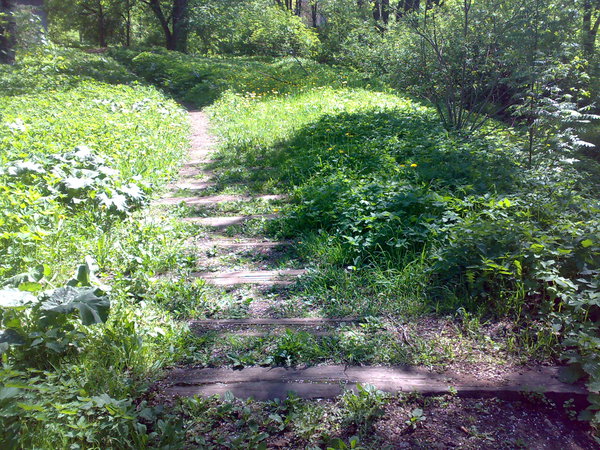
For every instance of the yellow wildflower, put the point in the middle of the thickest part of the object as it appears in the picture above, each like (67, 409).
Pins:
(413, 165)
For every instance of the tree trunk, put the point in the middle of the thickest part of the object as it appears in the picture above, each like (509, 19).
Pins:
(128, 30)
(381, 14)
(128, 6)
(314, 13)
(377, 10)
(101, 26)
(154, 6)
(590, 29)
(180, 26)
(175, 29)
(385, 11)
(7, 32)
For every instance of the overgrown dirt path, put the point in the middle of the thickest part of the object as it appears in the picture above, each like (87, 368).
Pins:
(244, 264)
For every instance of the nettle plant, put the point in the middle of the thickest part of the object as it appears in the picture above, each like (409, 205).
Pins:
(38, 324)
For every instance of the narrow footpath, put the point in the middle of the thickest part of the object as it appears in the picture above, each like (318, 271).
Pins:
(221, 233)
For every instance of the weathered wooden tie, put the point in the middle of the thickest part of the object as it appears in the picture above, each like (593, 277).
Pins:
(319, 327)
(216, 199)
(262, 334)
(224, 222)
(193, 185)
(241, 244)
(330, 381)
(262, 277)
(284, 322)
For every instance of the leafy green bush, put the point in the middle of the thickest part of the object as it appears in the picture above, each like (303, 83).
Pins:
(38, 327)
(363, 407)
(255, 27)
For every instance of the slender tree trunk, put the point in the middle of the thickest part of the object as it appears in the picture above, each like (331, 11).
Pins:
(7, 32)
(314, 10)
(101, 26)
(381, 14)
(128, 30)
(175, 29)
(377, 10)
(590, 28)
(128, 7)
(154, 6)
(385, 11)
(180, 26)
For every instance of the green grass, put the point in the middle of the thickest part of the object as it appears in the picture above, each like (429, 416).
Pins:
(401, 216)
(352, 345)
(394, 216)
(40, 126)
(201, 81)
(59, 206)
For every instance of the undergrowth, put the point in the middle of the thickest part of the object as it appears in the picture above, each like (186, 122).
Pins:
(390, 192)
(395, 215)
(84, 147)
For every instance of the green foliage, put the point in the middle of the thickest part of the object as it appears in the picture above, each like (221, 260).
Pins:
(416, 418)
(97, 22)
(338, 444)
(289, 349)
(80, 158)
(40, 326)
(51, 68)
(200, 81)
(233, 423)
(349, 35)
(363, 407)
(257, 27)
(48, 408)
(80, 180)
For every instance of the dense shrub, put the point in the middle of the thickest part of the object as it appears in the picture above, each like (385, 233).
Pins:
(257, 27)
